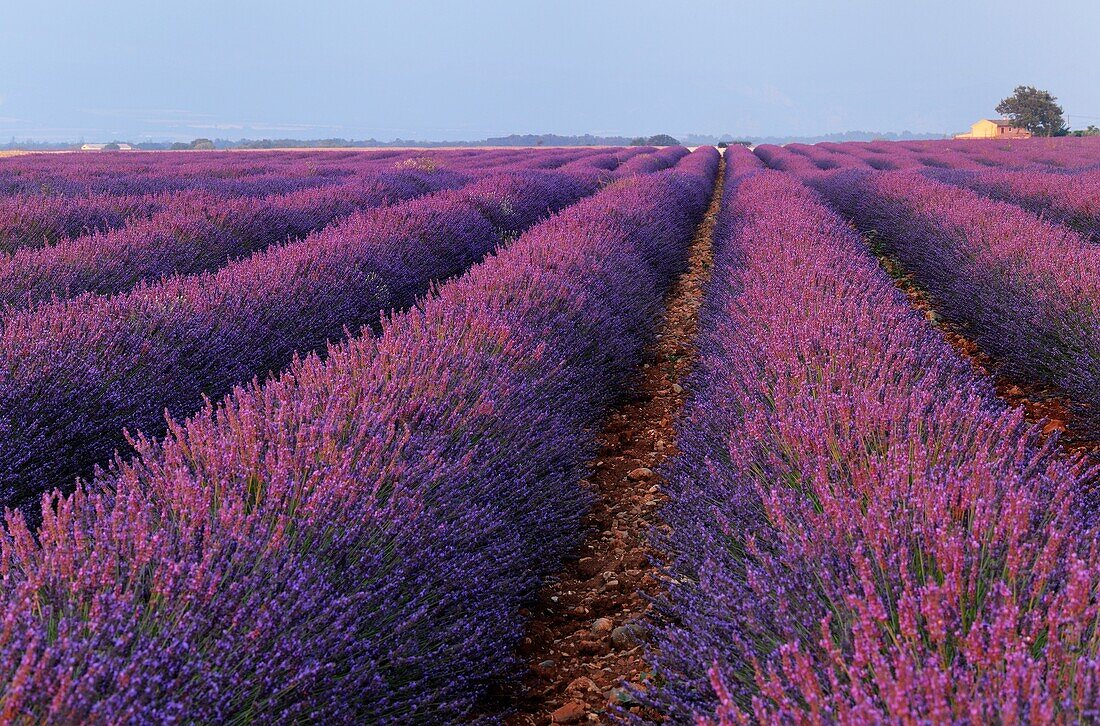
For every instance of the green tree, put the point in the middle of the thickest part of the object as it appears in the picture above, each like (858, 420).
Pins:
(202, 144)
(662, 140)
(1035, 110)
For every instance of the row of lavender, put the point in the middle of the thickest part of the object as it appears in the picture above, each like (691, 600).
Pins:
(1062, 154)
(190, 233)
(353, 539)
(51, 176)
(35, 220)
(1009, 257)
(863, 532)
(235, 174)
(1026, 290)
(1072, 200)
(134, 238)
(77, 374)
(1068, 198)
(1062, 158)
(1012, 176)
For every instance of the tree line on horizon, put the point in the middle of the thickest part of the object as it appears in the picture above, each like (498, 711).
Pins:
(1028, 107)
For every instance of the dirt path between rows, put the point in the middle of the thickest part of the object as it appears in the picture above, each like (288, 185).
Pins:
(585, 639)
(1040, 403)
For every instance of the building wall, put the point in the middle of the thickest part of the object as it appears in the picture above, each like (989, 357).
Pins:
(983, 129)
(986, 129)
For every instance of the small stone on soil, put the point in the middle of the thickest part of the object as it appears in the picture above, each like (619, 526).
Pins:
(571, 712)
(627, 636)
(584, 684)
(588, 647)
(621, 697)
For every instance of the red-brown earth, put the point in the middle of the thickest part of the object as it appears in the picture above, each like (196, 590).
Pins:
(585, 642)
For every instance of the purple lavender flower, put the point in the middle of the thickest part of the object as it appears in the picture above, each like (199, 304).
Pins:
(862, 531)
(352, 540)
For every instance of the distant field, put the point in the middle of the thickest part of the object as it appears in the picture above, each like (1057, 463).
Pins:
(794, 434)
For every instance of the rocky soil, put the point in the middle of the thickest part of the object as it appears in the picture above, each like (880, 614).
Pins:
(1040, 403)
(586, 642)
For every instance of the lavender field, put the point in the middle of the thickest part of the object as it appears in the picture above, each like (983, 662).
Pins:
(796, 434)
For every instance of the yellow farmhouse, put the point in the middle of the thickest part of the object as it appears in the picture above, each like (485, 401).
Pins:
(994, 129)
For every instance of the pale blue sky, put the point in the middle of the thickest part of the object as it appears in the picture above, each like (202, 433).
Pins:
(156, 70)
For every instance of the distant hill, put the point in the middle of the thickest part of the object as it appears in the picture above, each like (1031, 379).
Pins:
(510, 140)
(849, 136)
(584, 140)
(556, 140)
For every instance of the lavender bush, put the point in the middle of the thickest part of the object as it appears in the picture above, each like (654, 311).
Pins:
(1025, 290)
(74, 374)
(36, 221)
(1072, 200)
(352, 541)
(863, 532)
(196, 233)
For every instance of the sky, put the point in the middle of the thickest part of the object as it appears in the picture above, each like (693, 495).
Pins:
(433, 70)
